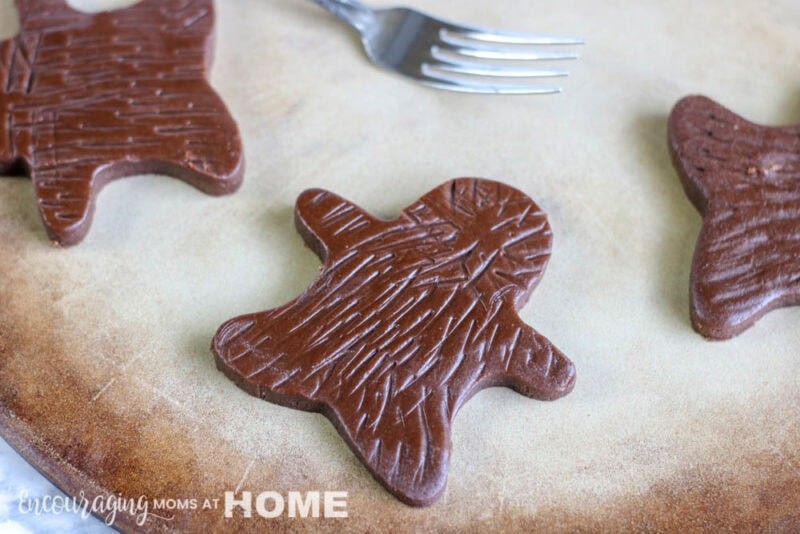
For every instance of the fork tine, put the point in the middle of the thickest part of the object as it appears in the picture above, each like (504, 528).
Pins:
(493, 50)
(443, 80)
(453, 31)
(475, 69)
(505, 53)
(451, 63)
(492, 89)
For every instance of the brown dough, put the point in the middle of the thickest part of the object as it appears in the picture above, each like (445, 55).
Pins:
(744, 179)
(87, 98)
(408, 319)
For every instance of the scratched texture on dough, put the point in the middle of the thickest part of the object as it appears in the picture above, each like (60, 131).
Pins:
(86, 98)
(409, 318)
(745, 180)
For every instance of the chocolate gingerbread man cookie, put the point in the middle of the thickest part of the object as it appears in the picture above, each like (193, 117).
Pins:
(87, 98)
(408, 319)
(744, 179)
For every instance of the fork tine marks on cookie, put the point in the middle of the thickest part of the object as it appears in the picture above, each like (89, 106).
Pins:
(452, 56)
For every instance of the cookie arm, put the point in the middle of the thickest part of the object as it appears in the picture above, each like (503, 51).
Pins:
(331, 225)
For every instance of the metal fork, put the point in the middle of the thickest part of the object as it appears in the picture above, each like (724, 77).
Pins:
(452, 56)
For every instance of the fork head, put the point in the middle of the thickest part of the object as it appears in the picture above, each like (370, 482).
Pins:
(461, 58)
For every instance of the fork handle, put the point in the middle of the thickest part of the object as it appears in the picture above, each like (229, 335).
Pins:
(352, 12)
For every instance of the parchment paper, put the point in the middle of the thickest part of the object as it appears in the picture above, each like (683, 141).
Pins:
(107, 383)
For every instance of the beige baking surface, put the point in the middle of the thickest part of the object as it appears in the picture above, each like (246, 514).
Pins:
(107, 383)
